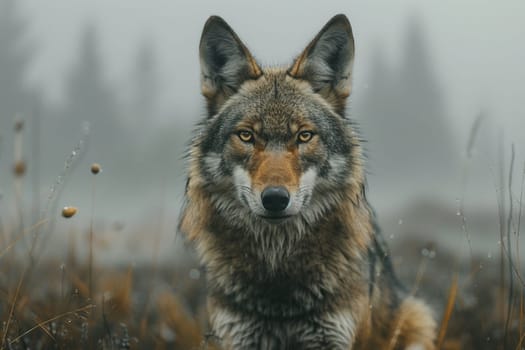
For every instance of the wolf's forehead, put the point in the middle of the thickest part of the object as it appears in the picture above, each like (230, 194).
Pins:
(275, 101)
(275, 117)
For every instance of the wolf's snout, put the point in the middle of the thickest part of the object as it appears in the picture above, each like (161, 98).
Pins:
(275, 198)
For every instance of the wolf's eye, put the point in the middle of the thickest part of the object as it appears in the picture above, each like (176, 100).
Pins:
(245, 136)
(304, 136)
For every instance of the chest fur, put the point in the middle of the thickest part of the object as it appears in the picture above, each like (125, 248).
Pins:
(286, 280)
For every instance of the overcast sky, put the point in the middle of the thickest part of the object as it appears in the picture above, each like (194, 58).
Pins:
(478, 45)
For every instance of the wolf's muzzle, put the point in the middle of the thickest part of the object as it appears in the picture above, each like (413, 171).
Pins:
(275, 198)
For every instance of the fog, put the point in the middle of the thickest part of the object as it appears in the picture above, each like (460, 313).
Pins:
(438, 92)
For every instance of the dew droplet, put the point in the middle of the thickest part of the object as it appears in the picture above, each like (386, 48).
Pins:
(195, 274)
(85, 127)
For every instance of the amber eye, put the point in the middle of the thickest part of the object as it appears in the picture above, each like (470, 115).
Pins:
(304, 136)
(245, 136)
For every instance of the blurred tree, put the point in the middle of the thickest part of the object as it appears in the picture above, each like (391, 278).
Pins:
(405, 119)
(15, 56)
(19, 99)
(375, 110)
(430, 139)
(145, 85)
(89, 97)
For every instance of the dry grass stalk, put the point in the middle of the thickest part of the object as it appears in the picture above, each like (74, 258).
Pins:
(448, 311)
(42, 324)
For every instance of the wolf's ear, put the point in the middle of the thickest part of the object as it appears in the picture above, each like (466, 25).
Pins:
(225, 63)
(326, 63)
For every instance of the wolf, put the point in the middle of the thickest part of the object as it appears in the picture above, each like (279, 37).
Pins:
(276, 205)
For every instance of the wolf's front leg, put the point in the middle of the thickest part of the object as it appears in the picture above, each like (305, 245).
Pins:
(334, 331)
(241, 332)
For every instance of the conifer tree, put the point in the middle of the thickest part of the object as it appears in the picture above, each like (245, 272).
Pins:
(145, 86)
(15, 56)
(89, 97)
(404, 116)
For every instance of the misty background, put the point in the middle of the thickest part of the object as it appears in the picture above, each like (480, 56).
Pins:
(438, 93)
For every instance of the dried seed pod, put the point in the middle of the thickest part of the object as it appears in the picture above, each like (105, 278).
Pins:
(19, 125)
(68, 212)
(19, 169)
(95, 168)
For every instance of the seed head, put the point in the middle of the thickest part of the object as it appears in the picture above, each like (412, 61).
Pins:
(95, 168)
(19, 169)
(19, 125)
(68, 212)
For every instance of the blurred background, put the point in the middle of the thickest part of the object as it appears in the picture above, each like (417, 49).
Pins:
(438, 93)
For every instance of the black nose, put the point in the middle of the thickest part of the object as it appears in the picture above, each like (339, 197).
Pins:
(275, 198)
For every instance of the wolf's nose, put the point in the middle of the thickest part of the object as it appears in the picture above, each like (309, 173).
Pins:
(275, 198)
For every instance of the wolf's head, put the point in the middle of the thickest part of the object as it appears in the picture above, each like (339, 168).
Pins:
(276, 144)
